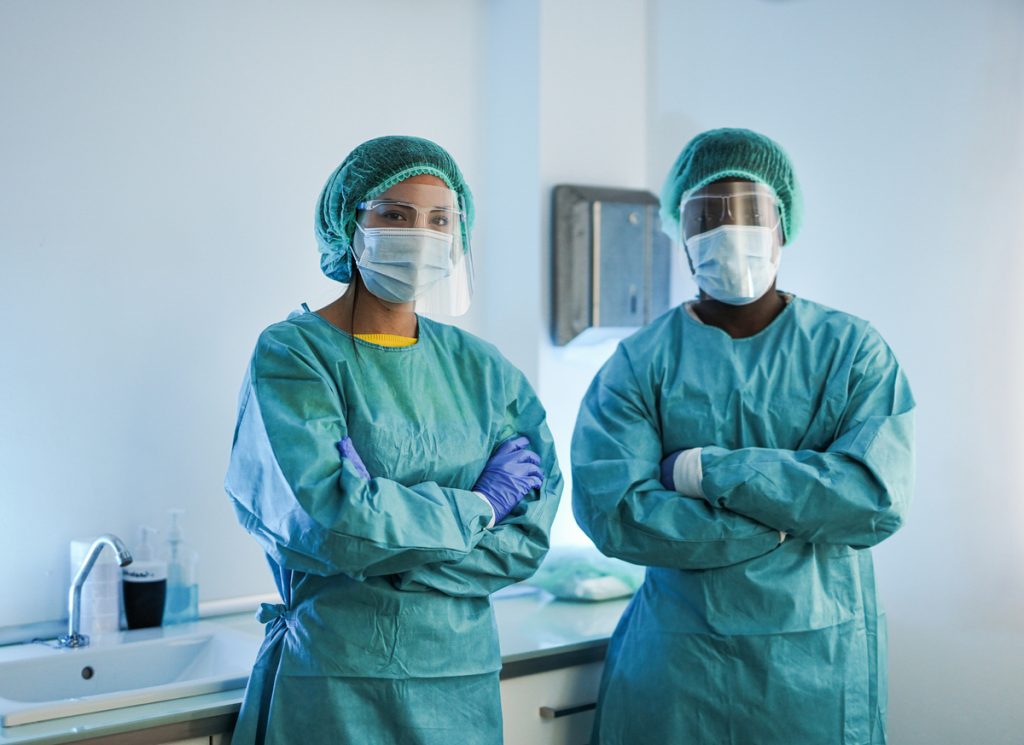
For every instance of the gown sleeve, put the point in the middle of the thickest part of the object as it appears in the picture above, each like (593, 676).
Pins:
(513, 549)
(309, 508)
(618, 498)
(857, 491)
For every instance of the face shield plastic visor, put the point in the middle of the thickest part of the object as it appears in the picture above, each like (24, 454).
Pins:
(412, 245)
(732, 234)
(729, 203)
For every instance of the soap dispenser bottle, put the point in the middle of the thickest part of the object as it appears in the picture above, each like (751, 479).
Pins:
(182, 576)
(144, 582)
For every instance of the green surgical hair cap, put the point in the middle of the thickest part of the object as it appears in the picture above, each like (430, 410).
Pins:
(370, 169)
(732, 153)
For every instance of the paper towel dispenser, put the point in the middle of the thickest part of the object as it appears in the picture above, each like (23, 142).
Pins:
(610, 260)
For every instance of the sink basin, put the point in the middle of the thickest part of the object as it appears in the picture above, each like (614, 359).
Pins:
(39, 682)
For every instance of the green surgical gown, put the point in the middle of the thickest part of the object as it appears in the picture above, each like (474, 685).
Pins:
(385, 632)
(738, 637)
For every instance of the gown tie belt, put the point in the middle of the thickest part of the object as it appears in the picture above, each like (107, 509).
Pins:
(271, 612)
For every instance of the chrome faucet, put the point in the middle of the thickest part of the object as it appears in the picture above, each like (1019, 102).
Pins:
(73, 638)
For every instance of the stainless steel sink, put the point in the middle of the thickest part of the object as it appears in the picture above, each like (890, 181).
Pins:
(39, 682)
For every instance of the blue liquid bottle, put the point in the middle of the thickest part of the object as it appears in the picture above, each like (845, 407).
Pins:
(182, 603)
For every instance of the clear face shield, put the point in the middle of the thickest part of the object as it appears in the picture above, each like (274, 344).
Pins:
(412, 245)
(733, 236)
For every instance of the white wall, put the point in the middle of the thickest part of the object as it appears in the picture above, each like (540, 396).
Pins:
(566, 102)
(593, 131)
(509, 274)
(161, 163)
(905, 122)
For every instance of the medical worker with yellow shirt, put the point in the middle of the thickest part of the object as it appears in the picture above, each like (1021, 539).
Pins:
(395, 470)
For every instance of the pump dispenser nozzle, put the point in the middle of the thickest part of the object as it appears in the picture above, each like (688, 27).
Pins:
(174, 532)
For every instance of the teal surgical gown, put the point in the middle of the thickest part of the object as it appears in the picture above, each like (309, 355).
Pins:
(385, 632)
(738, 637)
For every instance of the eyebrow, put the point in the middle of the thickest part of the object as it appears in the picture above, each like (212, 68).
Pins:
(413, 204)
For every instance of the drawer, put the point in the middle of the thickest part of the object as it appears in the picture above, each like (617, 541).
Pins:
(551, 708)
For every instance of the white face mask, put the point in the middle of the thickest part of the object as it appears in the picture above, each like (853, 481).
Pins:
(735, 264)
(400, 264)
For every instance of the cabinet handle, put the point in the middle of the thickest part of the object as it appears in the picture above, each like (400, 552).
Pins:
(549, 712)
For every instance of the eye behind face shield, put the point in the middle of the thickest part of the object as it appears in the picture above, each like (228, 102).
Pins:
(392, 213)
(746, 203)
(415, 237)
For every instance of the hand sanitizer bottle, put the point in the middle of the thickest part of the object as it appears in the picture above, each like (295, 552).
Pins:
(182, 576)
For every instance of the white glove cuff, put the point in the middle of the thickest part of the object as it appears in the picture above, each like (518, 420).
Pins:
(489, 506)
(687, 473)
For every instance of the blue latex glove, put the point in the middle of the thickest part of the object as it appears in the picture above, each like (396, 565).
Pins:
(348, 450)
(667, 465)
(509, 476)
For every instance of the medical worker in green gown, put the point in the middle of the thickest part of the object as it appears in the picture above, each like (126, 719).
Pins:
(748, 447)
(396, 470)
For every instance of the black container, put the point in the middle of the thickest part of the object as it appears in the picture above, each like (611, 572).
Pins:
(145, 592)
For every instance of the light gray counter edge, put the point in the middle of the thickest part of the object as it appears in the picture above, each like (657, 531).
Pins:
(216, 713)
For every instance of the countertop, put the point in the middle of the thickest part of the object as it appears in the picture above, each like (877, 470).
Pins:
(537, 632)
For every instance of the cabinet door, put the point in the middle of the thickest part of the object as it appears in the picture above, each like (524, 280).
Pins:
(551, 708)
